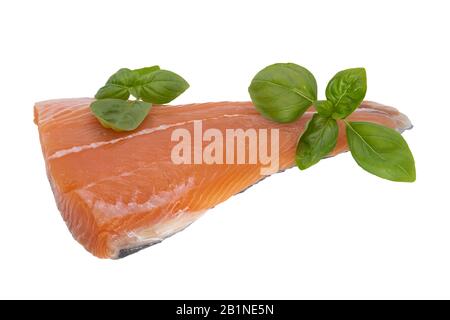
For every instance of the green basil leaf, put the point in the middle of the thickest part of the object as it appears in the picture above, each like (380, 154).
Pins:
(124, 77)
(324, 107)
(346, 90)
(120, 115)
(381, 151)
(117, 86)
(113, 91)
(161, 86)
(144, 71)
(283, 91)
(318, 140)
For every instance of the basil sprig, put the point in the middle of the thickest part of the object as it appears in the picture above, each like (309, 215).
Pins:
(148, 85)
(284, 91)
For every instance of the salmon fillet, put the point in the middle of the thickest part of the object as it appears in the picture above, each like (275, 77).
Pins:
(119, 192)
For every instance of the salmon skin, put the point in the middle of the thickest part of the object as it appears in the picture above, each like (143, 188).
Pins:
(119, 192)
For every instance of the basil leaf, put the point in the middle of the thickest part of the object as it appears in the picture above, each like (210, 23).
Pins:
(120, 115)
(318, 140)
(121, 83)
(117, 86)
(283, 91)
(346, 91)
(324, 107)
(161, 86)
(124, 77)
(143, 71)
(381, 151)
(113, 91)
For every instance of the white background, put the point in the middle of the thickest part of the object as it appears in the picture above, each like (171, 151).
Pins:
(332, 231)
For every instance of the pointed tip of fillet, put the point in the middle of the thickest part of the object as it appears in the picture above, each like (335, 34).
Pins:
(402, 122)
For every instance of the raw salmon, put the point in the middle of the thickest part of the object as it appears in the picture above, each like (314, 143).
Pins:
(121, 192)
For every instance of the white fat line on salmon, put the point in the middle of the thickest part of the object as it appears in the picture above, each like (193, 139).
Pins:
(119, 207)
(239, 146)
(94, 145)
